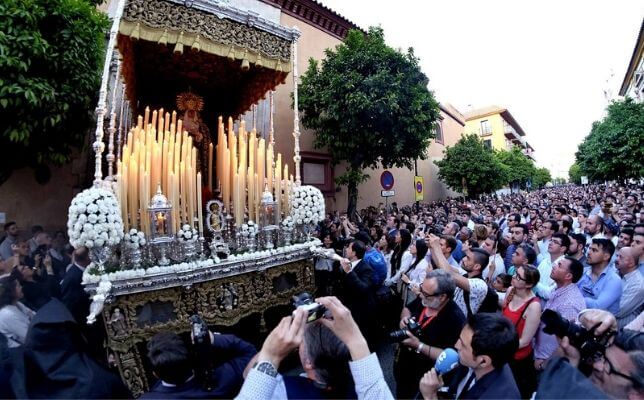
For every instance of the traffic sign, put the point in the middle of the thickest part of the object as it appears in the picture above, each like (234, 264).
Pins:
(387, 193)
(418, 188)
(387, 180)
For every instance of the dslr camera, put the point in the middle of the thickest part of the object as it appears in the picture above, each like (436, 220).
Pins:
(315, 310)
(201, 351)
(582, 339)
(401, 334)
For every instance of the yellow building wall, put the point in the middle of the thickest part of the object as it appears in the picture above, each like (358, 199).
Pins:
(498, 130)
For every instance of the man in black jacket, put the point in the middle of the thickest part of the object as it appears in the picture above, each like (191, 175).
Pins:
(72, 293)
(486, 344)
(171, 363)
(440, 322)
(359, 290)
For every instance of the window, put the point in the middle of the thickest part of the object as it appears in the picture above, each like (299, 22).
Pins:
(486, 129)
(488, 143)
(317, 171)
(438, 132)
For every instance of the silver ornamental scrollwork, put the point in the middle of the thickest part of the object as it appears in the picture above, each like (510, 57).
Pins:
(164, 15)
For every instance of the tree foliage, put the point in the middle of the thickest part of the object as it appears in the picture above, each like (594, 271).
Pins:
(369, 106)
(541, 177)
(471, 168)
(574, 174)
(51, 55)
(614, 148)
(520, 169)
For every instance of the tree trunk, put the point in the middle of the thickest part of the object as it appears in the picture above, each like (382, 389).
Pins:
(352, 204)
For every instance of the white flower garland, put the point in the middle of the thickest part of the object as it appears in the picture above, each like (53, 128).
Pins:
(249, 229)
(89, 278)
(94, 219)
(307, 205)
(134, 239)
(187, 233)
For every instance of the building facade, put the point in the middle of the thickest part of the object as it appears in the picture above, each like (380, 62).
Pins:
(633, 83)
(498, 129)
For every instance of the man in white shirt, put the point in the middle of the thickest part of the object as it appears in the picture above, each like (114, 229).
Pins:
(470, 287)
(543, 236)
(557, 248)
(631, 304)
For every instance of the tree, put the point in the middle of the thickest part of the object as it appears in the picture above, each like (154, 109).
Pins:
(614, 148)
(472, 168)
(519, 167)
(574, 174)
(540, 177)
(50, 64)
(369, 106)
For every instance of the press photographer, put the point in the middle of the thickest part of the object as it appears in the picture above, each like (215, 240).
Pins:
(612, 360)
(437, 321)
(213, 369)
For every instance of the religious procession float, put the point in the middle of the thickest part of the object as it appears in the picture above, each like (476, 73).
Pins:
(187, 222)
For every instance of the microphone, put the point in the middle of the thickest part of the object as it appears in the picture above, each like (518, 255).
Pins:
(446, 361)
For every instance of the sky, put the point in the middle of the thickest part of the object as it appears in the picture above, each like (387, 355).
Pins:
(548, 62)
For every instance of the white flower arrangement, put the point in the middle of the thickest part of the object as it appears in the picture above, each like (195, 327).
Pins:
(249, 229)
(288, 224)
(187, 233)
(134, 239)
(94, 219)
(307, 205)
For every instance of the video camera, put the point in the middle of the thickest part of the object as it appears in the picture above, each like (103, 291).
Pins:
(584, 340)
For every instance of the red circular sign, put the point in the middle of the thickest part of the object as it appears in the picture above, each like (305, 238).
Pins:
(387, 180)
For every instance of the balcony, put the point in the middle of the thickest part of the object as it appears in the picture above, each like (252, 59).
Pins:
(510, 133)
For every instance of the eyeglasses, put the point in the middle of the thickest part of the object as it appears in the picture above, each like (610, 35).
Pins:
(610, 369)
(557, 242)
(516, 275)
(427, 295)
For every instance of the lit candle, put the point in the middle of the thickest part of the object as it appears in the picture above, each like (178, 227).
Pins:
(199, 207)
(278, 180)
(225, 187)
(210, 167)
(269, 167)
(146, 120)
(250, 178)
(235, 188)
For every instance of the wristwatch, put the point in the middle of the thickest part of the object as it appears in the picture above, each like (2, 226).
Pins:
(266, 367)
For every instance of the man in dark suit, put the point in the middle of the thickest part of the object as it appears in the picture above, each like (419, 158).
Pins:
(171, 363)
(72, 293)
(359, 290)
(486, 344)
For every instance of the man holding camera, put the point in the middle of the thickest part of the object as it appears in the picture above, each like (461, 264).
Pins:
(264, 382)
(171, 361)
(615, 365)
(438, 322)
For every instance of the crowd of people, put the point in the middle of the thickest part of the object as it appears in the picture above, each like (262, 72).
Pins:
(539, 292)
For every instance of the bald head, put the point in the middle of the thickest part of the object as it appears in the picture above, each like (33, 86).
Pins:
(626, 261)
